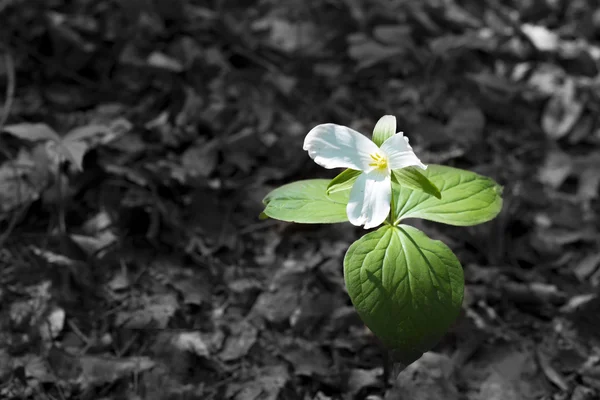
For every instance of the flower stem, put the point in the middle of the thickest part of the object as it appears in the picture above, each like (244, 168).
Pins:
(392, 209)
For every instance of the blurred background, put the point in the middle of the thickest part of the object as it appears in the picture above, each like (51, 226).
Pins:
(139, 137)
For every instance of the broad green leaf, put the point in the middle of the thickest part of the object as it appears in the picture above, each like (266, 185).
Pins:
(307, 202)
(384, 129)
(343, 181)
(467, 198)
(412, 178)
(407, 288)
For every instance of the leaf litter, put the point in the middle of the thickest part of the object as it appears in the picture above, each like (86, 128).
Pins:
(138, 146)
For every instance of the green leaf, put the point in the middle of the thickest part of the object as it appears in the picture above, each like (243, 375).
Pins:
(467, 198)
(343, 181)
(307, 202)
(384, 129)
(407, 288)
(412, 178)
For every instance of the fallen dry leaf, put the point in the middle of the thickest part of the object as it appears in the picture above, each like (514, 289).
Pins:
(562, 111)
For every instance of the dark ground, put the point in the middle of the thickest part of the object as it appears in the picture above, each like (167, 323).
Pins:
(147, 274)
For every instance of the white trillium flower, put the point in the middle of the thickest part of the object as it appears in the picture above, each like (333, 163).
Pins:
(337, 146)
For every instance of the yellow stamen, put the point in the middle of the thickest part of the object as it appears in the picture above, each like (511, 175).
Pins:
(379, 161)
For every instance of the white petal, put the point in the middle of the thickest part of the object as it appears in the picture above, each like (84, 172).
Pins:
(370, 197)
(400, 154)
(336, 146)
(384, 129)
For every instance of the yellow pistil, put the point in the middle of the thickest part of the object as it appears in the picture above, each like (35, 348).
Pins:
(379, 161)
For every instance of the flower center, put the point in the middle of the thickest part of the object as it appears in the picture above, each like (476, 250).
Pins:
(380, 161)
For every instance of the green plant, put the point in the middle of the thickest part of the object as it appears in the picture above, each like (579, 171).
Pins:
(406, 287)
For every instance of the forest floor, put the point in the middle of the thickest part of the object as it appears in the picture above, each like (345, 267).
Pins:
(137, 141)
